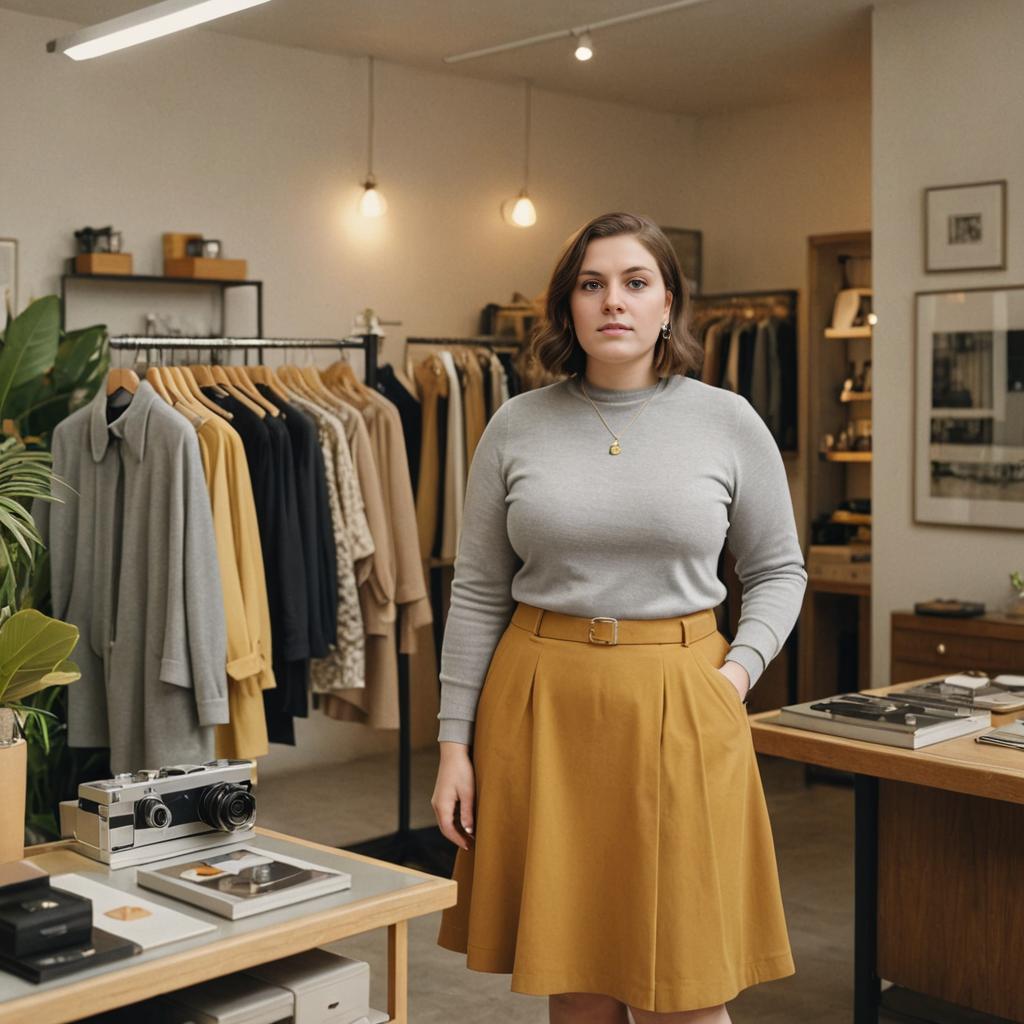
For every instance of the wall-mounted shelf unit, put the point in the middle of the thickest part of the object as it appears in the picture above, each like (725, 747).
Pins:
(135, 280)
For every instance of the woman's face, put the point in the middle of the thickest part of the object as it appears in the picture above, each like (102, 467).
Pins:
(619, 301)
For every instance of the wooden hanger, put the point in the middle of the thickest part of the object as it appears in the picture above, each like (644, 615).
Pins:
(122, 380)
(265, 375)
(221, 378)
(200, 403)
(245, 385)
(156, 381)
(175, 386)
(204, 378)
(193, 388)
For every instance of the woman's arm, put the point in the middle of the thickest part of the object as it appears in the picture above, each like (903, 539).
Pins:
(481, 598)
(763, 539)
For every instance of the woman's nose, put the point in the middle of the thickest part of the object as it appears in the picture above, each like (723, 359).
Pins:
(612, 298)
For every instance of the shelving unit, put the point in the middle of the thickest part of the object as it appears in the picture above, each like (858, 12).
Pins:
(835, 625)
(151, 279)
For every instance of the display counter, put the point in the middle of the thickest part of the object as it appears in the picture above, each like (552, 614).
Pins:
(381, 895)
(939, 835)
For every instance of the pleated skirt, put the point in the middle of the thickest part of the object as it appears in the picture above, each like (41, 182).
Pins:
(623, 844)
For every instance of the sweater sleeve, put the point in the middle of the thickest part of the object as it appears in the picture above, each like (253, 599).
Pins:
(481, 594)
(763, 539)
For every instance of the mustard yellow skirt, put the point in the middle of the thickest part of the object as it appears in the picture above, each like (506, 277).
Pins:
(622, 845)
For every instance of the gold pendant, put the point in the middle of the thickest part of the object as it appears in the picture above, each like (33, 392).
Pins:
(614, 448)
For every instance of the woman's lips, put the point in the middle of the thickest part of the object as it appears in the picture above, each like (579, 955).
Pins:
(615, 331)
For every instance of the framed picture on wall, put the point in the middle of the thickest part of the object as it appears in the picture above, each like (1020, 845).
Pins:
(965, 227)
(688, 246)
(969, 407)
(8, 277)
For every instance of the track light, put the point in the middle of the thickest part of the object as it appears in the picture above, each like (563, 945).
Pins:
(141, 26)
(584, 47)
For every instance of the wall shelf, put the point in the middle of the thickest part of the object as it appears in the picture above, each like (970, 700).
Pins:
(847, 456)
(154, 279)
(849, 334)
(856, 396)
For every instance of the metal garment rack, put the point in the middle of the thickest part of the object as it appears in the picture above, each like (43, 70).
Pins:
(425, 846)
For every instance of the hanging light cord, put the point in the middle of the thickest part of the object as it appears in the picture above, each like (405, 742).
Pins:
(526, 148)
(369, 141)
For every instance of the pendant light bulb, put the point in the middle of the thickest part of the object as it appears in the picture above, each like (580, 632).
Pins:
(584, 47)
(372, 202)
(520, 212)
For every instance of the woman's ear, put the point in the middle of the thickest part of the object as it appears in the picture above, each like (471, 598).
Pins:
(668, 305)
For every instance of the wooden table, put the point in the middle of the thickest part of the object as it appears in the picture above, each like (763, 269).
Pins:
(382, 895)
(939, 852)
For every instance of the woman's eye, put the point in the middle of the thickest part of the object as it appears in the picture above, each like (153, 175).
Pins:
(586, 285)
(640, 281)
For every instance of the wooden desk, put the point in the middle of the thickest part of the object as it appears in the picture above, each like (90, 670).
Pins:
(947, 819)
(382, 895)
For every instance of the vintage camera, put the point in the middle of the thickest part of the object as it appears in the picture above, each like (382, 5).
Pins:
(137, 817)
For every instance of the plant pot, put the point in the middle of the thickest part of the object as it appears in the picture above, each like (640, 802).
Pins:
(13, 761)
(1016, 607)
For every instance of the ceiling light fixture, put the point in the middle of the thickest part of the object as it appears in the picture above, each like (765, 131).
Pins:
(574, 32)
(141, 26)
(584, 47)
(520, 212)
(372, 203)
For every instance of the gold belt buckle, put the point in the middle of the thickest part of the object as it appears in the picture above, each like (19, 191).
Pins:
(615, 631)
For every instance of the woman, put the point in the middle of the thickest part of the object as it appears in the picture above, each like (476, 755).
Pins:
(597, 771)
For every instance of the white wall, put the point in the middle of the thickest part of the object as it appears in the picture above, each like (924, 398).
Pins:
(766, 179)
(947, 84)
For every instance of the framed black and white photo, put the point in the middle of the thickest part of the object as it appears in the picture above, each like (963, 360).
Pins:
(688, 246)
(965, 227)
(969, 407)
(8, 277)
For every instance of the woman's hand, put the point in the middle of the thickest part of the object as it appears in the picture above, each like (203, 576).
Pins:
(456, 783)
(738, 676)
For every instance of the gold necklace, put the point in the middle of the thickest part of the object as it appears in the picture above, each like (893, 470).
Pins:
(615, 448)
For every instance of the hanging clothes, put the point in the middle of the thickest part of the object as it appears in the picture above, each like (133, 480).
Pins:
(408, 406)
(454, 487)
(134, 566)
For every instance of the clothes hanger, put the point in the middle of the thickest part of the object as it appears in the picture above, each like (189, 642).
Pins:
(246, 386)
(181, 384)
(157, 383)
(265, 375)
(174, 387)
(194, 390)
(122, 380)
(221, 378)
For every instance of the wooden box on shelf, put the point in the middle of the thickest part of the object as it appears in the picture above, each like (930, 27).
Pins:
(207, 269)
(176, 244)
(103, 263)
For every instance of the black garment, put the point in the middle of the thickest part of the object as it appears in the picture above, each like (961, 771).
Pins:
(786, 340)
(745, 375)
(319, 552)
(411, 414)
(273, 488)
(485, 369)
(515, 384)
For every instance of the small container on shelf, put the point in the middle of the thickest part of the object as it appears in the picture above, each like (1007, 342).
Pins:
(206, 269)
(103, 263)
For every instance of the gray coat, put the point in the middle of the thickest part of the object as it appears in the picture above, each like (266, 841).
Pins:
(134, 566)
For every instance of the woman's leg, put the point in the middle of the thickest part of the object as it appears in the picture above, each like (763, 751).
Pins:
(708, 1015)
(586, 1008)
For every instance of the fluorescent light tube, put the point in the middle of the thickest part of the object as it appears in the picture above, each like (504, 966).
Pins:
(140, 26)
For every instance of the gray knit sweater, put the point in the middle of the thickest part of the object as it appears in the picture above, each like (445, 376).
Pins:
(553, 520)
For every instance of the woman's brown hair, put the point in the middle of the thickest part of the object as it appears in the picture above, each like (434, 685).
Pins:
(554, 343)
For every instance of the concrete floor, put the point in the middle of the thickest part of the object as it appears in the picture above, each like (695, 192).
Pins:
(813, 829)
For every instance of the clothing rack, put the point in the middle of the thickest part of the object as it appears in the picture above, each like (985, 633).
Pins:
(749, 303)
(425, 846)
(492, 343)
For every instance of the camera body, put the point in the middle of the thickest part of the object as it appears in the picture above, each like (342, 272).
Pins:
(137, 817)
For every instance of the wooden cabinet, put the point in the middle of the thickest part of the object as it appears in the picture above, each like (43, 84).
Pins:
(925, 645)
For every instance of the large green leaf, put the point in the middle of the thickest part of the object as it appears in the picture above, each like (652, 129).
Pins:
(30, 346)
(33, 654)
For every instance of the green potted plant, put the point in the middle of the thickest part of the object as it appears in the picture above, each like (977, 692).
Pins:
(1016, 605)
(40, 381)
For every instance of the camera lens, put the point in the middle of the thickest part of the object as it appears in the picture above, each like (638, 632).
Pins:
(154, 812)
(228, 807)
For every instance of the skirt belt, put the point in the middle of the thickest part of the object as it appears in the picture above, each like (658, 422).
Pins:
(603, 630)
